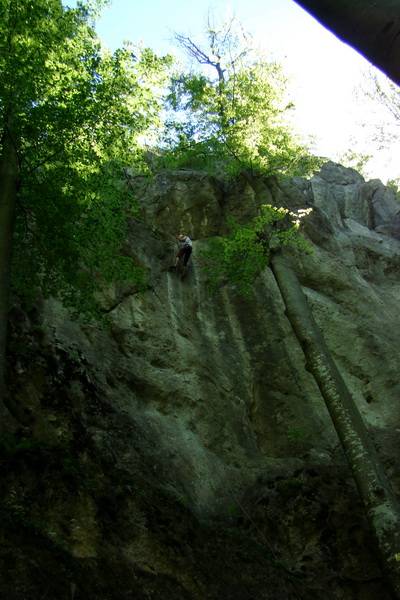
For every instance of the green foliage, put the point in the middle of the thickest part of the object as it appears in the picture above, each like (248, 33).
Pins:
(292, 487)
(76, 112)
(237, 257)
(395, 185)
(240, 116)
(12, 446)
(245, 251)
(68, 236)
(356, 160)
(298, 433)
(234, 512)
(183, 153)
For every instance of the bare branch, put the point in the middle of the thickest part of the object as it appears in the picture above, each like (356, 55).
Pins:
(187, 44)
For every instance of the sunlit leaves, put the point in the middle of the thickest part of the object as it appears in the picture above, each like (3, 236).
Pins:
(235, 106)
(238, 257)
(77, 111)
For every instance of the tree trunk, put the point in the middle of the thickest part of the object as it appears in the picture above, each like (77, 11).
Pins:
(380, 502)
(9, 178)
(369, 26)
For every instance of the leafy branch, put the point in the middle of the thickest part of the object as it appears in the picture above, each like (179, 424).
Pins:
(245, 251)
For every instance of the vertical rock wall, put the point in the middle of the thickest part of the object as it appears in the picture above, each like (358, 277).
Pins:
(207, 397)
(217, 382)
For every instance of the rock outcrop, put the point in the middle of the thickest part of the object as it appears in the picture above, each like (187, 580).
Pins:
(191, 424)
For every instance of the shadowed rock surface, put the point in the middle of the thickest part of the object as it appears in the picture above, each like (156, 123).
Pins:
(185, 452)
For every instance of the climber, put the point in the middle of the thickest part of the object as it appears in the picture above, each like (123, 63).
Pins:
(185, 250)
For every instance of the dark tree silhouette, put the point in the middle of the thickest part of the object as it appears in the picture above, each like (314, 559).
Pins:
(370, 27)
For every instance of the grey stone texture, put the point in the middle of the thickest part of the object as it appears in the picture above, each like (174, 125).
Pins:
(206, 398)
(217, 382)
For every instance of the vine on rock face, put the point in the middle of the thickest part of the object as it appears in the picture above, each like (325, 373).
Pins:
(239, 256)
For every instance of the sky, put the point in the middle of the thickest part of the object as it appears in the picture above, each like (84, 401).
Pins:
(324, 71)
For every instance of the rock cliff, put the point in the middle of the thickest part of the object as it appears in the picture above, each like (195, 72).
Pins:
(184, 451)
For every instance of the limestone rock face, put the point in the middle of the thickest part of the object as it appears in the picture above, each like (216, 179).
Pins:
(207, 396)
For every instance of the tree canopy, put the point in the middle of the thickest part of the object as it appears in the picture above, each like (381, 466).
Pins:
(74, 113)
(232, 109)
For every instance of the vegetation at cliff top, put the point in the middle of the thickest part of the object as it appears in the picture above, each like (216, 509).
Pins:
(72, 116)
(230, 111)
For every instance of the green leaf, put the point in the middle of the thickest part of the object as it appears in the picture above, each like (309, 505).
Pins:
(244, 252)
(77, 112)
